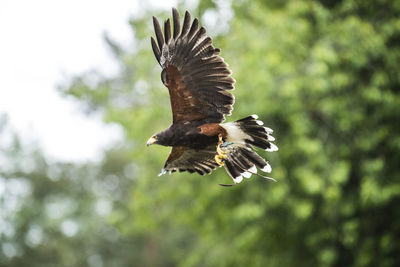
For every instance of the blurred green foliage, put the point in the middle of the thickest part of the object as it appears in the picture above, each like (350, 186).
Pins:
(323, 74)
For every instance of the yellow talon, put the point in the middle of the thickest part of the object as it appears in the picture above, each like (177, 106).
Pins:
(219, 158)
(221, 155)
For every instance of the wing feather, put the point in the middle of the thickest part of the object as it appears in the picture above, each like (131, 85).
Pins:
(177, 23)
(186, 23)
(167, 31)
(159, 35)
(193, 29)
(197, 77)
(156, 51)
(186, 159)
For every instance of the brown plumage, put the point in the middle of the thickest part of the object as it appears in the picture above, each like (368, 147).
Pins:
(199, 81)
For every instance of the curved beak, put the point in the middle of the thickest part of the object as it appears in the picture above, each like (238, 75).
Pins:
(151, 141)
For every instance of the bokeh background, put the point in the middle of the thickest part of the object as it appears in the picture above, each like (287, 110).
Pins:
(323, 74)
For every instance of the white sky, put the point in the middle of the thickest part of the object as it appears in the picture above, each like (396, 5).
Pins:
(39, 42)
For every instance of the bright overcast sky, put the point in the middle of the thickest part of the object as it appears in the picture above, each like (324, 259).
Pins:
(43, 40)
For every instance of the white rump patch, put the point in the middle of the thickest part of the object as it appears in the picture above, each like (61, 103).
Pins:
(235, 134)
(272, 148)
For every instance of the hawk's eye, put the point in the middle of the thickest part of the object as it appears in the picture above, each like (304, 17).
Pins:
(164, 76)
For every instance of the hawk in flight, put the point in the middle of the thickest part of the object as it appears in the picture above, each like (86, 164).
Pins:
(199, 81)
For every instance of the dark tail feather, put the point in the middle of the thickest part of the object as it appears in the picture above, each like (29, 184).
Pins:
(243, 162)
(260, 136)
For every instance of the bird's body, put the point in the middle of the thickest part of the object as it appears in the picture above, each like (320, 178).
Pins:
(190, 135)
(198, 81)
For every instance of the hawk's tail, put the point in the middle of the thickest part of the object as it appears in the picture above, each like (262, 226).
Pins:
(242, 160)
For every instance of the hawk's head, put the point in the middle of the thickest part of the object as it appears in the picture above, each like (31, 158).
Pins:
(152, 140)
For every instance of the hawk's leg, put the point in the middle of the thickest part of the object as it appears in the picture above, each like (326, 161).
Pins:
(221, 154)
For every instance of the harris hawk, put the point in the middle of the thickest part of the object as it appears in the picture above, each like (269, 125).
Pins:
(199, 81)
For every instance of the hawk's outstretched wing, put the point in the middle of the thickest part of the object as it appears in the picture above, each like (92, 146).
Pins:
(196, 76)
(186, 159)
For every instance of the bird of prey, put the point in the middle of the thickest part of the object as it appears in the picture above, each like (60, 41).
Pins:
(199, 81)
